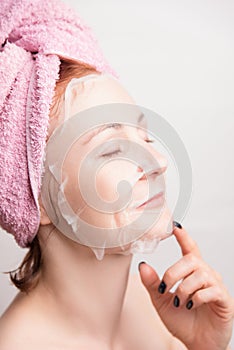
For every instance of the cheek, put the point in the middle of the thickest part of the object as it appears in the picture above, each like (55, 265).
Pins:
(114, 179)
(106, 184)
(113, 185)
(83, 209)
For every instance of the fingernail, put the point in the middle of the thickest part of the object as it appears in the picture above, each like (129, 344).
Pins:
(177, 224)
(189, 304)
(176, 301)
(142, 262)
(162, 287)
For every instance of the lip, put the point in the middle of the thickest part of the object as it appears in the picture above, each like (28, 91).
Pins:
(154, 202)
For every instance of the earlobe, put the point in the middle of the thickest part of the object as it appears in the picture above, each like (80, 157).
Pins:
(44, 219)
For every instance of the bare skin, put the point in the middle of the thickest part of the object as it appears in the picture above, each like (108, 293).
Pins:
(100, 306)
(137, 327)
(118, 313)
(203, 319)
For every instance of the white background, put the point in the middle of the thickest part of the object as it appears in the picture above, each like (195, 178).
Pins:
(176, 58)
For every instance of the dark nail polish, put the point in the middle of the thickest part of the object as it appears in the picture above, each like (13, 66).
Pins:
(176, 301)
(177, 224)
(142, 262)
(189, 304)
(162, 287)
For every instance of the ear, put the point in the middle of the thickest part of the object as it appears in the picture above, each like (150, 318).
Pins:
(45, 220)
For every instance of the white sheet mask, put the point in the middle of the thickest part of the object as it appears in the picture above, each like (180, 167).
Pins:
(92, 189)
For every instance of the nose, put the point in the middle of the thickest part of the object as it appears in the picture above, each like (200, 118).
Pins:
(159, 159)
(152, 172)
(159, 169)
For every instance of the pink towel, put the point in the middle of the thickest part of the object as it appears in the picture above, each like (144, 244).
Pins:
(33, 35)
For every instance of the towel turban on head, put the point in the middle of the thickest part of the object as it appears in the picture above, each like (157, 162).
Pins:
(34, 34)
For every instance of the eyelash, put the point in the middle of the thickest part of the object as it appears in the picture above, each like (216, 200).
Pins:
(109, 155)
(149, 140)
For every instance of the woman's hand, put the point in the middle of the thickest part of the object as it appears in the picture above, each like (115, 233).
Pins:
(200, 312)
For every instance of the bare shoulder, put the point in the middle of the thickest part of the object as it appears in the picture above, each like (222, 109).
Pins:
(8, 339)
(9, 325)
(15, 326)
(145, 321)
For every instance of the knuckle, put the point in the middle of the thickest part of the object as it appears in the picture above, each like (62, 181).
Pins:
(219, 293)
(212, 275)
(205, 275)
(181, 290)
(198, 297)
(169, 275)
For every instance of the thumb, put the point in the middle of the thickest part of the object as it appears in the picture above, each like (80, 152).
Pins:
(151, 281)
(149, 277)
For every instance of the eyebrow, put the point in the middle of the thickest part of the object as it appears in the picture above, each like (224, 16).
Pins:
(110, 125)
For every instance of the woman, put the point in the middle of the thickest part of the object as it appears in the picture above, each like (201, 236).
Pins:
(69, 299)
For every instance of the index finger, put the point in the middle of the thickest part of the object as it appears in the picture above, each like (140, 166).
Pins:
(187, 244)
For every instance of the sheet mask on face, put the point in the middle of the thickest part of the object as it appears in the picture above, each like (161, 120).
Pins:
(100, 176)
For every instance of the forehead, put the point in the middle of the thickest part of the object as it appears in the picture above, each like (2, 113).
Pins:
(94, 100)
(95, 91)
(86, 92)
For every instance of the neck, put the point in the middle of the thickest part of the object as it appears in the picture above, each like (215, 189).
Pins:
(89, 292)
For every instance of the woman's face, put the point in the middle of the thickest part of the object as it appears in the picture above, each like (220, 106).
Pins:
(101, 158)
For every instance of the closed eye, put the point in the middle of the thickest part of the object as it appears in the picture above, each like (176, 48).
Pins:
(149, 140)
(111, 154)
